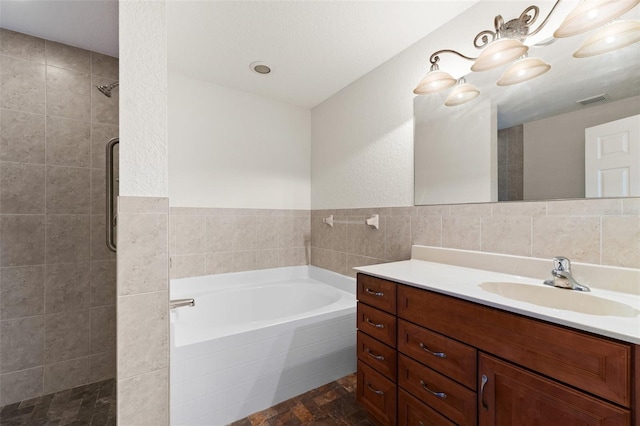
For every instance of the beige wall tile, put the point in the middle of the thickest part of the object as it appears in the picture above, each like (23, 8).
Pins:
(434, 210)
(103, 329)
(66, 374)
(267, 259)
(68, 190)
(293, 256)
(21, 46)
(403, 211)
(328, 259)
(20, 385)
(68, 57)
(621, 241)
(353, 261)
(67, 336)
(144, 400)
(190, 234)
(68, 142)
(267, 232)
(146, 205)
(143, 333)
(355, 238)
(461, 232)
(374, 240)
(426, 231)
(189, 265)
(244, 233)
(101, 134)
(21, 292)
(104, 66)
(22, 85)
(104, 109)
(22, 343)
(102, 366)
(68, 93)
(98, 191)
(529, 208)
(591, 207)
(507, 235)
(67, 287)
(631, 206)
(22, 188)
(398, 238)
(99, 249)
(219, 263)
(67, 238)
(244, 261)
(143, 253)
(219, 233)
(295, 231)
(23, 240)
(103, 283)
(575, 237)
(22, 137)
(471, 209)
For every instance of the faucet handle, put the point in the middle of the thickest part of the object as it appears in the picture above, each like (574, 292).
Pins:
(561, 263)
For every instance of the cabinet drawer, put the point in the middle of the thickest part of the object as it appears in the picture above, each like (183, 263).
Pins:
(449, 357)
(596, 365)
(412, 412)
(444, 395)
(514, 396)
(377, 394)
(377, 324)
(378, 355)
(377, 292)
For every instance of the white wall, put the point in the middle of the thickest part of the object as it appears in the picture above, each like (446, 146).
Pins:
(554, 149)
(232, 149)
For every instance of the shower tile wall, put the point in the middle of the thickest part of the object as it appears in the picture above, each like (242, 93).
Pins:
(593, 231)
(57, 279)
(214, 241)
(511, 163)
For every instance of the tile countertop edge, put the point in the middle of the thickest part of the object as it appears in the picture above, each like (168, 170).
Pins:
(432, 276)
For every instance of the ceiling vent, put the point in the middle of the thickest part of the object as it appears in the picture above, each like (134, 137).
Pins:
(597, 99)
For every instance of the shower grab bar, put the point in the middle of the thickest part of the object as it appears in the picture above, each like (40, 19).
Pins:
(111, 216)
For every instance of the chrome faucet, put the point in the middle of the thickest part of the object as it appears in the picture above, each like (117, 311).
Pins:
(562, 275)
(179, 303)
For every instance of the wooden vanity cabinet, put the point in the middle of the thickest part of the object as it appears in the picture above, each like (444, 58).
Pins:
(535, 373)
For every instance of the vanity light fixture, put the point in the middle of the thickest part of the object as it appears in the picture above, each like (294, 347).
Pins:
(590, 14)
(611, 37)
(434, 81)
(498, 53)
(462, 93)
(522, 70)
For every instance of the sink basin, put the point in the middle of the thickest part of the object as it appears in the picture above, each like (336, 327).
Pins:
(557, 298)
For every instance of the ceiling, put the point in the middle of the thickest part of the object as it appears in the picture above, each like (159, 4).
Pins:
(315, 48)
(89, 24)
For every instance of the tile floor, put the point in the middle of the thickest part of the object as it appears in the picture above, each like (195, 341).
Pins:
(93, 404)
(329, 405)
(333, 404)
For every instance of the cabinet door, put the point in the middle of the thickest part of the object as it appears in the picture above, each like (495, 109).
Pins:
(510, 395)
(377, 394)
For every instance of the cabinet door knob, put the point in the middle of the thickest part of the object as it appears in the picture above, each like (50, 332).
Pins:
(374, 293)
(438, 354)
(441, 395)
(372, 355)
(482, 385)
(376, 391)
(373, 323)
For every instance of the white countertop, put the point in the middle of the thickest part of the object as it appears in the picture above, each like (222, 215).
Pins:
(464, 283)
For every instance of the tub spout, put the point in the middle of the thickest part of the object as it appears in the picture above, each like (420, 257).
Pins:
(179, 303)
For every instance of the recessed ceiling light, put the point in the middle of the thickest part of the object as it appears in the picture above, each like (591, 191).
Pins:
(260, 67)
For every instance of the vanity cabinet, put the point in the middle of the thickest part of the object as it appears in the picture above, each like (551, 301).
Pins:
(464, 363)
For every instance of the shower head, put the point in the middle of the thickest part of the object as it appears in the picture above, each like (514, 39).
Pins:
(107, 88)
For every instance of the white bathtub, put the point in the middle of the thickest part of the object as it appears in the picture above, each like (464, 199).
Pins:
(257, 338)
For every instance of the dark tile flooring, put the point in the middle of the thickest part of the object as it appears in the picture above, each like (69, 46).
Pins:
(329, 405)
(93, 404)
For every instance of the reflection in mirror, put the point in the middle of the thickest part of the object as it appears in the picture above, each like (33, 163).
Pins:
(533, 147)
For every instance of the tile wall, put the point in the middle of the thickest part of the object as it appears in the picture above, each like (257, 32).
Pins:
(593, 231)
(511, 163)
(214, 241)
(57, 278)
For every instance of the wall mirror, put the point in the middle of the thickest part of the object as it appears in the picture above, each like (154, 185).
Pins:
(525, 141)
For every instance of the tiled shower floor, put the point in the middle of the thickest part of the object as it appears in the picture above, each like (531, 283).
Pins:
(93, 404)
(333, 404)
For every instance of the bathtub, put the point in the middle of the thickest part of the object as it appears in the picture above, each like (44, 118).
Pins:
(254, 339)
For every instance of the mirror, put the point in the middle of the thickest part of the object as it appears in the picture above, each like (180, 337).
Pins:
(526, 141)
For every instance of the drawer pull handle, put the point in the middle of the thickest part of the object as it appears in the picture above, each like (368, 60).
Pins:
(482, 385)
(377, 392)
(438, 354)
(441, 395)
(372, 355)
(374, 293)
(373, 323)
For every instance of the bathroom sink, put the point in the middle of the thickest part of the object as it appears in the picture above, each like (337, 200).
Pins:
(557, 298)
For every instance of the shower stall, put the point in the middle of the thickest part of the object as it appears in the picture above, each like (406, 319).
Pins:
(58, 113)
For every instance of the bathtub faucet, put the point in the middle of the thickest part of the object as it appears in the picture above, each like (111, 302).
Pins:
(179, 303)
